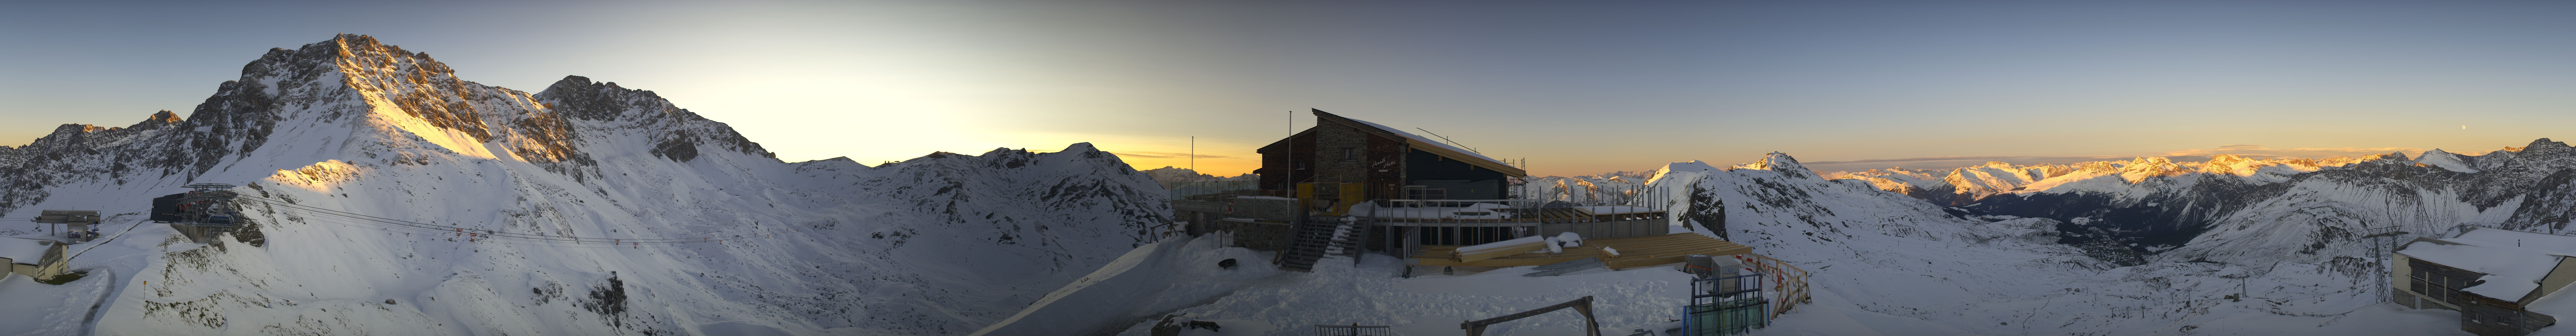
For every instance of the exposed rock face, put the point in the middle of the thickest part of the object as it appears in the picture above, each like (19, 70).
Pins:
(938, 245)
(615, 107)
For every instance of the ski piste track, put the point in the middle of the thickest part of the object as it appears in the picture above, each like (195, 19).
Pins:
(486, 235)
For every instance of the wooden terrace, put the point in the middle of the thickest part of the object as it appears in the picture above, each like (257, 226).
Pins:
(1633, 252)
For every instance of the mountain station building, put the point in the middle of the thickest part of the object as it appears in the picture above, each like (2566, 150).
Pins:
(2503, 282)
(1348, 186)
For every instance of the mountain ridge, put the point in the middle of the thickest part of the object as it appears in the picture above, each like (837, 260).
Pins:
(356, 126)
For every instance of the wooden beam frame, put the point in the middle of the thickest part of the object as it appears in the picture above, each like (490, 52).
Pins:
(1583, 305)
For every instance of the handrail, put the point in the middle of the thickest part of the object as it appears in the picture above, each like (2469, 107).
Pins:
(1789, 280)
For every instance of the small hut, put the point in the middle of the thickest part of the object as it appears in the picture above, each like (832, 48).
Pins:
(35, 258)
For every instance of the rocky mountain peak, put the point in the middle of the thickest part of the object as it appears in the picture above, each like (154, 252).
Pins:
(2448, 160)
(581, 98)
(157, 120)
(1779, 162)
(2544, 146)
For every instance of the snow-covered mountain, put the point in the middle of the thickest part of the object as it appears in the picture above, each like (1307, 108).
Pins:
(1603, 189)
(1959, 186)
(942, 244)
(1168, 175)
(1885, 263)
(2246, 210)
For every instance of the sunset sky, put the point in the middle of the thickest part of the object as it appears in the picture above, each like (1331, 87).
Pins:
(1575, 87)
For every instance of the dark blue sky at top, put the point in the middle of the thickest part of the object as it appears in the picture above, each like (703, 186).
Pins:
(1575, 87)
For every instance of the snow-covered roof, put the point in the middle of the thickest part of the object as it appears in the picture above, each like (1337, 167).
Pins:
(22, 251)
(1418, 138)
(2549, 242)
(2514, 261)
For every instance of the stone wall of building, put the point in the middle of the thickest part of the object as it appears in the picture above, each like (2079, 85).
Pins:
(1331, 165)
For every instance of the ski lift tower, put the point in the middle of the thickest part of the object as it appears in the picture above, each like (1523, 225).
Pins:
(2379, 249)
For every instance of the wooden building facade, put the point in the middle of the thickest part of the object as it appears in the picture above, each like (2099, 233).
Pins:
(1378, 162)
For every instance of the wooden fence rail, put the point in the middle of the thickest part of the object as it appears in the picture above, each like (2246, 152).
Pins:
(1788, 280)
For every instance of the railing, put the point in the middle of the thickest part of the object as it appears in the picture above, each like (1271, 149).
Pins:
(1223, 195)
(1412, 241)
(1786, 279)
(1182, 190)
(1416, 212)
(1352, 330)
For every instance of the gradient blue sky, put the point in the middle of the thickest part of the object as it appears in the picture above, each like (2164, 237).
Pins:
(1576, 87)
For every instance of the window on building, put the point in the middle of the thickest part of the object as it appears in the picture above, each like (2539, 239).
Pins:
(2439, 285)
(1350, 154)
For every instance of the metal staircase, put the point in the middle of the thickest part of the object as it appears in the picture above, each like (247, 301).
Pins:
(1317, 237)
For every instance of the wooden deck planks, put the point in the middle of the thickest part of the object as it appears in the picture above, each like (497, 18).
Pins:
(1633, 252)
(1496, 253)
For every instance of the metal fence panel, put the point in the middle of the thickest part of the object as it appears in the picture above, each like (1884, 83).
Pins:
(1352, 330)
(1726, 305)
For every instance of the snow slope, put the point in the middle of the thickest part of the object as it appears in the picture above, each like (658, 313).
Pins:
(943, 244)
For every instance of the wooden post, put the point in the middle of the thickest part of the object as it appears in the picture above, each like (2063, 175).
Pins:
(1583, 305)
